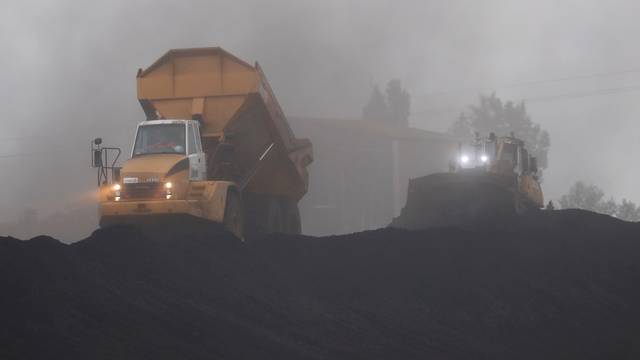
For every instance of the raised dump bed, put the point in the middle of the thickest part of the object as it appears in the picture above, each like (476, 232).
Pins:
(234, 103)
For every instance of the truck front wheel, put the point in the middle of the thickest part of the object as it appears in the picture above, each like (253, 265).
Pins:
(233, 218)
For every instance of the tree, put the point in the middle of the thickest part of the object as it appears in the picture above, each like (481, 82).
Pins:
(399, 102)
(581, 196)
(392, 108)
(628, 211)
(504, 118)
(376, 108)
(462, 129)
(589, 197)
(608, 207)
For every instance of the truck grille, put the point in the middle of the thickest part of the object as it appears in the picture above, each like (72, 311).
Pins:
(142, 191)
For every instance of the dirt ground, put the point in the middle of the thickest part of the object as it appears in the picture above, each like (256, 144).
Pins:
(553, 285)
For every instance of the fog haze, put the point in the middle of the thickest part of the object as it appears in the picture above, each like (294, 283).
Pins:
(68, 70)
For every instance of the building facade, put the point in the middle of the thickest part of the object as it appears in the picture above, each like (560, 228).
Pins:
(361, 169)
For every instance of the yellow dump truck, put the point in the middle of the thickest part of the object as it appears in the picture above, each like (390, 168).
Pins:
(215, 145)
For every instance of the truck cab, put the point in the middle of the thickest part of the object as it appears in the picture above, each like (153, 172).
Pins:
(167, 175)
(173, 137)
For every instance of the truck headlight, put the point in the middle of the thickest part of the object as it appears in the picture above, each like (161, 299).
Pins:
(484, 158)
(464, 159)
(167, 190)
(116, 191)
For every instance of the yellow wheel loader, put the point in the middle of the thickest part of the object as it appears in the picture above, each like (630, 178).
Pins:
(215, 145)
(490, 182)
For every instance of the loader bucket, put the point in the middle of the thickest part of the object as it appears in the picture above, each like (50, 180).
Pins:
(456, 199)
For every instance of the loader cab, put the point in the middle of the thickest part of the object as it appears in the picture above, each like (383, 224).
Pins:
(177, 137)
(512, 156)
(508, 156)
(479, 155)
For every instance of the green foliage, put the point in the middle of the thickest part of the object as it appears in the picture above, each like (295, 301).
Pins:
(462, 129)
(608, 207)
(376, 108)
(393, 107)
(590, 197)
(504, 118)
(582, 196)
(399, 102)
(628, 211)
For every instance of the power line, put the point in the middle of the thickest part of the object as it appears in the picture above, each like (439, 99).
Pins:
(599, 92)
(25, 137)
(537, 82)
(18, 155)
(548, 98)
(569, 78)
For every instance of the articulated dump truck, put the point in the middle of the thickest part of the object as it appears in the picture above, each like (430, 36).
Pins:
(215, 145)
(490, 183)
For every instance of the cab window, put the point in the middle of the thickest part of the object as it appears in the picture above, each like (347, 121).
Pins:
(160, 139)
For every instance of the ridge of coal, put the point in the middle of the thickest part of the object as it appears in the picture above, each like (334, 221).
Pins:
(561, 284)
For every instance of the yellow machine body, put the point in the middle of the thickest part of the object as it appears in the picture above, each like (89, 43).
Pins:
(513, 160)
(490, 185)
(229, 102)
(205, 199)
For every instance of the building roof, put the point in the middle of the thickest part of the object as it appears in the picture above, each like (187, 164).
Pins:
(374, 128)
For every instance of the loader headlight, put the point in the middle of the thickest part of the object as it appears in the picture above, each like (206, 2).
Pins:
(484, 158)
(116, 187)
(167, 190)
(464, 159)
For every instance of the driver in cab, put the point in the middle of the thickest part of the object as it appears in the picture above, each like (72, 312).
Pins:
(164, 143)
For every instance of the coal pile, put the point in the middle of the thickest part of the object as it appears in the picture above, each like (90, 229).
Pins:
(560, 284)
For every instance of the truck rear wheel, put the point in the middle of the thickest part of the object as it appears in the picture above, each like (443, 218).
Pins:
(267, 214)
(275, 222)
(233, 216)
(291, 215)
(262, 215)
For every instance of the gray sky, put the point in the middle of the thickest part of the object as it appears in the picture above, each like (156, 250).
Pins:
(67, 74)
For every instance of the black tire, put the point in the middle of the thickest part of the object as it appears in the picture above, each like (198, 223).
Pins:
(275, 220)
(268, 214)
(233, 214)
(291, 214)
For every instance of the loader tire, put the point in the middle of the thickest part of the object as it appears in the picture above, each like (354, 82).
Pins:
(233, 214)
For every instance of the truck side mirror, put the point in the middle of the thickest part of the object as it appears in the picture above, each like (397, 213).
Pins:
(97, 158)
(115, 174)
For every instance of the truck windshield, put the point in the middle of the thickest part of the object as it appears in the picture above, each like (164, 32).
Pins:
(160, 139)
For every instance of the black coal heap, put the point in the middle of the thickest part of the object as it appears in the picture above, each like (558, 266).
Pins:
(561, 284)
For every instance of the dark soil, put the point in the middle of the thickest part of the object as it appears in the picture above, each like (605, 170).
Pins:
(563, 284)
